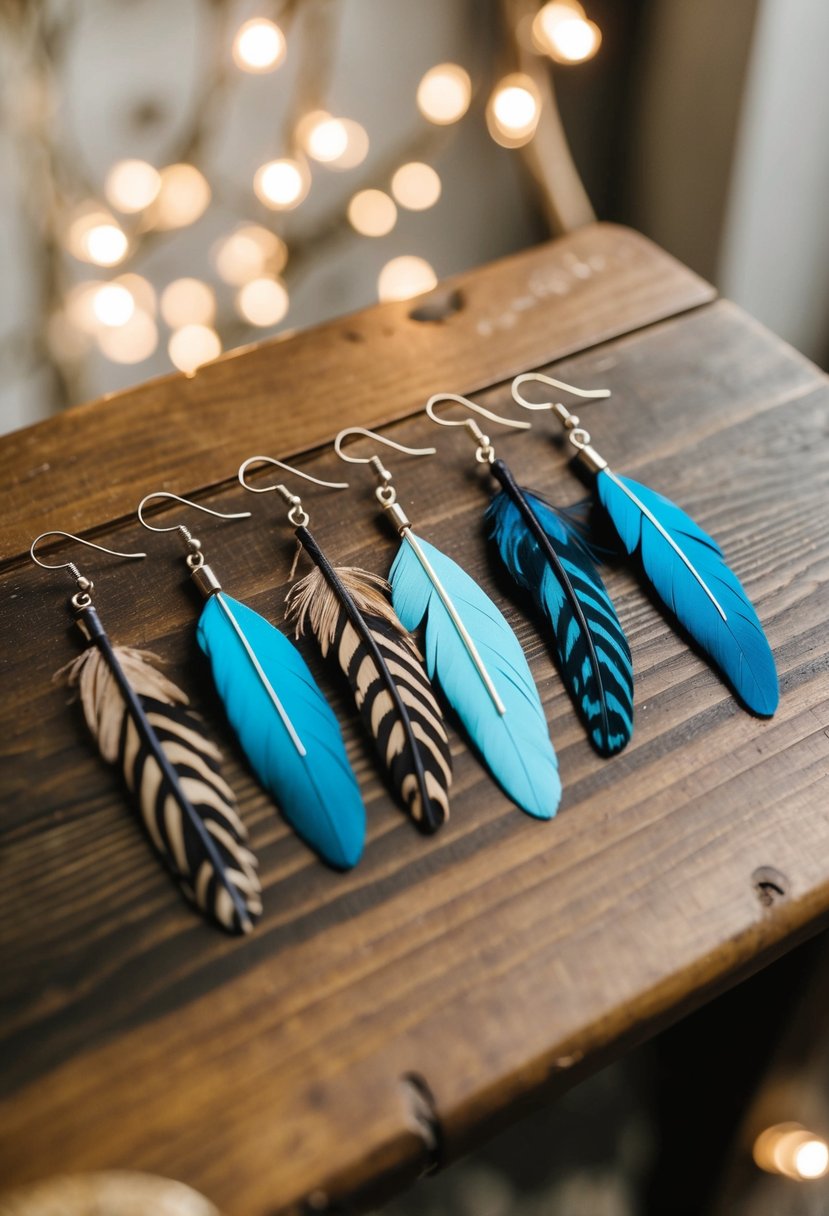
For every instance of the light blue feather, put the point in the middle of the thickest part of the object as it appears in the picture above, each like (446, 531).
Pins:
(515, 746)
(317, 793)
(736, 645)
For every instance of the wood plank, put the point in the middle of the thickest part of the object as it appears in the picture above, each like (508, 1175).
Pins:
(92, 464)
(495, 960)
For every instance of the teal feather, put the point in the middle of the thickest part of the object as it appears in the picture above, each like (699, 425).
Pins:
(515, 746)
(317, 792)
(688, 573)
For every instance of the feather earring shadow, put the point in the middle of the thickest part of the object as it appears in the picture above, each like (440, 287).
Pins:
(140, 722)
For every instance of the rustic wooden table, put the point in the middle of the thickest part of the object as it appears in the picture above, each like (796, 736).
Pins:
(379, 1023)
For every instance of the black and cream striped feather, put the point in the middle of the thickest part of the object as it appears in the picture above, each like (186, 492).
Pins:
(350, 614)
(139, 721)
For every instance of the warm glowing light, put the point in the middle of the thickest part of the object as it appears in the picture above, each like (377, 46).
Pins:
(80, 306)
(513, 111)
(193, 345)
(259, 46)
(811, 1159)
(372, 213)
(564, 33)
(105, 245)
(282, 184)
(356, 149)
(132, 342)
(113, 305)
(404, 277)
(263, 301)
(444, 93)
(131, 185)
(416, 186)
(327, 139)
(247, 253)
(188, 302)
(183, 198)
(790, 1149)
(140, 289)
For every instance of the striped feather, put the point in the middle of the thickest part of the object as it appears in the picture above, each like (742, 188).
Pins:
(686, 569)
(349, 613)
(139, 721)
(547, 557)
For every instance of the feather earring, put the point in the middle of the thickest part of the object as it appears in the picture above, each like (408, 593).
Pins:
(546, 556)
(683, 564)
(285, 726)
(140, 722)
(471, 653)
(349, 612)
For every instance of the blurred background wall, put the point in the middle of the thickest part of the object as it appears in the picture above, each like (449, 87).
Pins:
(701, 124)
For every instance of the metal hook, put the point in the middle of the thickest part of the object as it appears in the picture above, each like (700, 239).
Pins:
(187, 503)
(390, 443)
(71, 565)
(431, 410)
(527, 377)
(329, 485)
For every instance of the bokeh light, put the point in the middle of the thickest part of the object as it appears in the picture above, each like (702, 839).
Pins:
(263, 301)
(444, 93)
(193, 345)
(247, 253)
(372, 213)
(282, 184)
(113, 304)
(404, 277)
(183, 198)
(132, 185)
(562, 31)
(793, 1151)
(132, 342)
(259, 46)
(416, 186)
(188, 302)
(513, 111)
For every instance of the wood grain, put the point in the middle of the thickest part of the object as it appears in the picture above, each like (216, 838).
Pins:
(92, 464)
(493, 962)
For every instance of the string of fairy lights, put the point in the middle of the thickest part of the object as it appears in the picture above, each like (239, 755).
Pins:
(123, 313)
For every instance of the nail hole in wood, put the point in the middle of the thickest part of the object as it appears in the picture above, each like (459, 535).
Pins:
(438, 306)
(770, 885)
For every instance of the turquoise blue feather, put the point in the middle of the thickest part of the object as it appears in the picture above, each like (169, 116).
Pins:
(547, 557)
(317, 792)
(515, 745)
(688, 573)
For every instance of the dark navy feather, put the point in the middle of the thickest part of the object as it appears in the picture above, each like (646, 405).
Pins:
(546, 556)
(688, 573)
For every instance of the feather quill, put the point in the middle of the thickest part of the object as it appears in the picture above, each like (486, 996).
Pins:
(349, 613)
(687, 571)
(514, 744)
(140, 722)
(286, 728)
(546, 556)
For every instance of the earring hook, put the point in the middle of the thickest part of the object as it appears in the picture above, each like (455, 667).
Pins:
(317, 481)
(71, 565)
(439, 398)
(528, 377)
(187, 503)
(390, 443)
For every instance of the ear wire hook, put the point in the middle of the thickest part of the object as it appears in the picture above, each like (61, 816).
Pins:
(297, 515)
(187, 503)
(390, 443)
(485, 452)
(540, 378)
(85, 584)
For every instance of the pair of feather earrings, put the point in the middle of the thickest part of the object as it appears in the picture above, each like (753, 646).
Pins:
(546, 553)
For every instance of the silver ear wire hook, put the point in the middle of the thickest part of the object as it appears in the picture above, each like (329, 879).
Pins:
(187, 503)
(540, 378)
(297, 515)
(485, 452)
(81, 599)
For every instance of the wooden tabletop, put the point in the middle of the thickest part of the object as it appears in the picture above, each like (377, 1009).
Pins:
(381, 1022)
